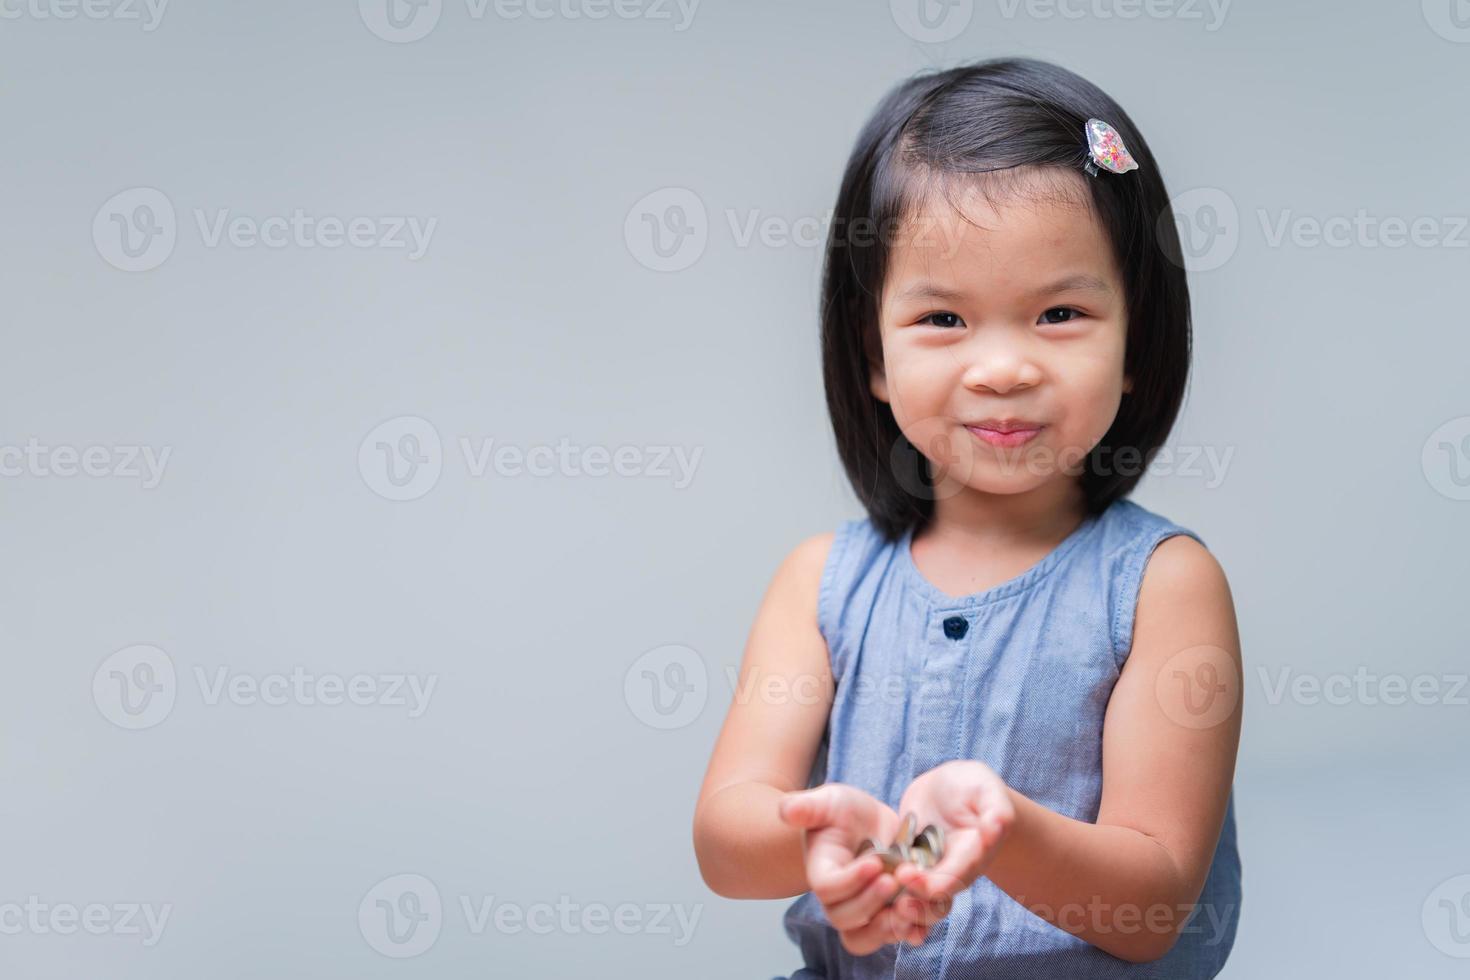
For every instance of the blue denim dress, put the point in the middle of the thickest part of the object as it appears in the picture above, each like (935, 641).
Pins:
(1017, 676)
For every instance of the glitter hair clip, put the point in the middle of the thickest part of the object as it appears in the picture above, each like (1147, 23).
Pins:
(1107, 149)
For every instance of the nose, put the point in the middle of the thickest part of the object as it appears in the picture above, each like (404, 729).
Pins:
(1001, 367)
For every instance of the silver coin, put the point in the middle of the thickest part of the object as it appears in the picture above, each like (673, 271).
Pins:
(933, 837)
(906, 831)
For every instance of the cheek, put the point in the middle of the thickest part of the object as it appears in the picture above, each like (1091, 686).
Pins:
(916, 383)
(1093, 392)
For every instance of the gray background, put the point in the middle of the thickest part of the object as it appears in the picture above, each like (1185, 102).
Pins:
(539, 771)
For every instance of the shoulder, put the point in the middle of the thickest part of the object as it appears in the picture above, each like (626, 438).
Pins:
(801, 572)
(1184, 602)
(1181, 569)
(818, 554)
(1173, 557)
(1166, 577)
(803, 565)
(821, 568)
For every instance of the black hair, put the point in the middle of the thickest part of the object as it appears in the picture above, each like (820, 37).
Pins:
(989, 117)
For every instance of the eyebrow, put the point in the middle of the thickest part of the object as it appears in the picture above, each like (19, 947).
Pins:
(1081, 281)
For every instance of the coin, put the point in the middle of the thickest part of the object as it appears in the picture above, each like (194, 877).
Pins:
(933, 837)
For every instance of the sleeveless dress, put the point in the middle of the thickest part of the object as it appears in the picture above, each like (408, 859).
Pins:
(1017, 676)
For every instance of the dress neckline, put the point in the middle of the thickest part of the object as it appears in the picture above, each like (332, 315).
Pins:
(1002, 590)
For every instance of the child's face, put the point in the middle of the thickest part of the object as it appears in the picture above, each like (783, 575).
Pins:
(972, 331)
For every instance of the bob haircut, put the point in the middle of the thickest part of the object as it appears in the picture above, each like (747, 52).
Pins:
(945, 128)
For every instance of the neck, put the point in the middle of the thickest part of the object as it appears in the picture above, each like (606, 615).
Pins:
(1049, 512)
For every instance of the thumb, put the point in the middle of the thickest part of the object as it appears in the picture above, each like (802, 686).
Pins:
(806, 808)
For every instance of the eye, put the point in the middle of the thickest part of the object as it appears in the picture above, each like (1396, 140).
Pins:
(948, 316)
(1046, 317)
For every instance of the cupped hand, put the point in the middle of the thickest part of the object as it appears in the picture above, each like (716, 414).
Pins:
(855, 894)
(972, 805)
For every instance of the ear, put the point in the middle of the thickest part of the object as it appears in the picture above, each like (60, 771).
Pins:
(878, 380)
(1127, 384)
(877, 376)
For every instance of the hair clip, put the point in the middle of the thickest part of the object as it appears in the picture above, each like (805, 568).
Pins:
(1107, 149)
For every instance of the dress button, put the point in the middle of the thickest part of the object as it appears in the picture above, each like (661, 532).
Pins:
(955, 627)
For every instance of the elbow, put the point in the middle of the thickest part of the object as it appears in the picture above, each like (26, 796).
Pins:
(1151, 936)
(707, 871)
(1147, 948)
(714, 872)
(706, 856)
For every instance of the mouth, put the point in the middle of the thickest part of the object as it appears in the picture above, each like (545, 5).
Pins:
(1006, 432)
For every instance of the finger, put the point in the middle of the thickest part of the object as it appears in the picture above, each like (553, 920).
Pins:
(808, 808)
(878, 932)
(866, 904)
(913, 911)
(834, 883)
(960, 865)
(913, 933)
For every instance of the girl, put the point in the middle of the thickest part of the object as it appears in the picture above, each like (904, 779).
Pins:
(1005, 646)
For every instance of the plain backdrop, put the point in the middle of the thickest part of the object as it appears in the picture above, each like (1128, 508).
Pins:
(208, 705)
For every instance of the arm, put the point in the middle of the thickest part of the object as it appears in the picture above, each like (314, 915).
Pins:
(1167, 770)
(769, 740)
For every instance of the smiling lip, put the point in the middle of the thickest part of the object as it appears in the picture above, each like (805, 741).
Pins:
(1006, 433)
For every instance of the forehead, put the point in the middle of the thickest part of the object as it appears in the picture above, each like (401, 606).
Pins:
(998, 232)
